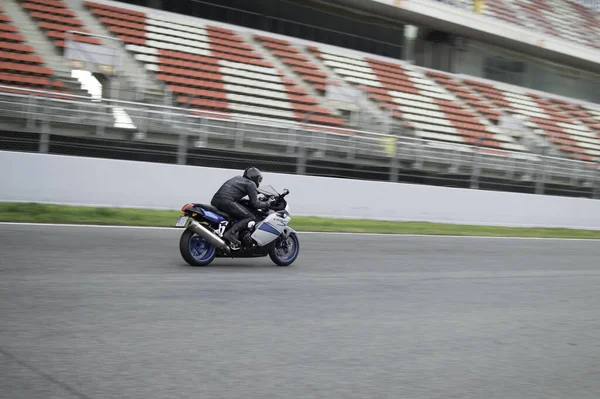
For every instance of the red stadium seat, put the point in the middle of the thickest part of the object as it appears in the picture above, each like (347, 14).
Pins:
(20, 57)
(20, 67)
(13, 37)
(32, 69)
(5, 27)
(123, 24)
(16, 47)
(51, 3)
(49, 10)
(72, 22)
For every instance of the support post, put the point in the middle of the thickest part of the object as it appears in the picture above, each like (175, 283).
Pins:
(182, 149)
(301, 160)
(475, 171)
(239, 135)
(395, 164)
(596, 193)
(541, 175)
(44, 146)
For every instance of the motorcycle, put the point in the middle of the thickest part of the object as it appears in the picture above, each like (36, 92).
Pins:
(202, 240)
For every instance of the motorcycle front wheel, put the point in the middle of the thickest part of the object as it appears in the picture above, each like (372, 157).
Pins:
(195, 250)
(285, 251)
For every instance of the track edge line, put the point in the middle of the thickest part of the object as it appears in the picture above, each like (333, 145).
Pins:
(299, 232)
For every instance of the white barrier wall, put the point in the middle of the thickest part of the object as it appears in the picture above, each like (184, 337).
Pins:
(101, 182)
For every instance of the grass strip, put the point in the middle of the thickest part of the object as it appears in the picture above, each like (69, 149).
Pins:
(44, 213)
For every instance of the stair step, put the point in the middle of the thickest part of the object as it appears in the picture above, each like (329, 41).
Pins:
(130, 66)
(290, 73)
(370, 117)
(36, 38)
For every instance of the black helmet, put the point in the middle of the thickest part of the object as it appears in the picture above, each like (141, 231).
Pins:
(253, 174)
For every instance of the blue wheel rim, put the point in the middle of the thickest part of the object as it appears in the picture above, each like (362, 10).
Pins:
(200, 249)
(291, 240)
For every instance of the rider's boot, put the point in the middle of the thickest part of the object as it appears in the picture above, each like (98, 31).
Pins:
(232, 234)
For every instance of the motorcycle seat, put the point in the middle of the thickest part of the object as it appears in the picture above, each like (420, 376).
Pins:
(214, 210)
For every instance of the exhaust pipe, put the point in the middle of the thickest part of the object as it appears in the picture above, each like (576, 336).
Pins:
(207, 234)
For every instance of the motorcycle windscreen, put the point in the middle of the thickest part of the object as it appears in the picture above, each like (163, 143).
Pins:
(268, 190)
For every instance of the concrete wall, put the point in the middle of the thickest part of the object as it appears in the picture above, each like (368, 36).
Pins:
(101, 182)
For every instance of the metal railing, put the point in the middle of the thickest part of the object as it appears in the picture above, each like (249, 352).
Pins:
(401, 155)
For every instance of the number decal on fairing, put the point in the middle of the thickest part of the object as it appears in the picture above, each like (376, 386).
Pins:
(222, 227)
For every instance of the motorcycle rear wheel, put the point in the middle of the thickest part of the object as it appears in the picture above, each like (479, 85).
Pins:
(195, 250)
(285, 251)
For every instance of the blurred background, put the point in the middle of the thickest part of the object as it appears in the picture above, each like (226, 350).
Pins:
(484, 94)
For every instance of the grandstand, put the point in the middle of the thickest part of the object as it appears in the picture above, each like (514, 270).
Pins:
(213, 84)
(569, 20)
(20, 66)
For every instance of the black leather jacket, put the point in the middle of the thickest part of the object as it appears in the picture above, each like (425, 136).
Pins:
(237, 188)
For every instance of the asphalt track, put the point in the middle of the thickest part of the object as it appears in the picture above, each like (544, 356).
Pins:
(115, 313)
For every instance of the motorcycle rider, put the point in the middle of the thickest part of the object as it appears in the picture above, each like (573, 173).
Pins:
(227, 197)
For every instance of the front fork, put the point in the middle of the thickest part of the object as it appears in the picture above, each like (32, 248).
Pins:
(282, 242)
